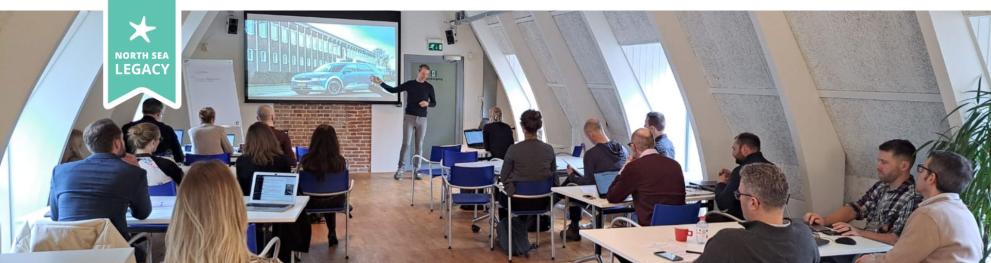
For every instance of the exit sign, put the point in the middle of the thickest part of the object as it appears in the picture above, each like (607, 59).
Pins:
(435, 46)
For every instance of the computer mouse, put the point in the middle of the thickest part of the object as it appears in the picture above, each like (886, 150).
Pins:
(846, 241)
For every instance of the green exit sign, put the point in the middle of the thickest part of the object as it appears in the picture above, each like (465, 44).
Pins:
(433, 46)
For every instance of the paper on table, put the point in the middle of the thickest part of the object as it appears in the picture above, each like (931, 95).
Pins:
(589, 189)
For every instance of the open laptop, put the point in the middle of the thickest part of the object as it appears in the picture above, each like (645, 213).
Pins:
(603, 180)
(230, 139)
(474, 139)
(272, 192)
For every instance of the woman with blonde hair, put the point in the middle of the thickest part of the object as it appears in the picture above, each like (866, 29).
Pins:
(210, 221)
(207, 138)
(144, 139)
(74, 148)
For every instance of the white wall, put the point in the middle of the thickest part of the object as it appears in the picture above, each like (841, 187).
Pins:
(417, 27)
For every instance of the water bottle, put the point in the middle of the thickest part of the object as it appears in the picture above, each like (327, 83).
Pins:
(701, 231)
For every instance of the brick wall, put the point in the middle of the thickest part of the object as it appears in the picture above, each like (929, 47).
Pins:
(353, 123)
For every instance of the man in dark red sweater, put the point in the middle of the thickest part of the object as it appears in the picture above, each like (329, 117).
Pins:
(650, 177)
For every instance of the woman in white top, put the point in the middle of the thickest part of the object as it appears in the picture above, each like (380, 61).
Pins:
(209, 139)
(145, 138)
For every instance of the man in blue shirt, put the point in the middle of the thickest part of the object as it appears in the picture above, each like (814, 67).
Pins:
(655, 122)
(104, 185)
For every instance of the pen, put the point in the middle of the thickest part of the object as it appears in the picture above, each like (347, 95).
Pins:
(693, 252)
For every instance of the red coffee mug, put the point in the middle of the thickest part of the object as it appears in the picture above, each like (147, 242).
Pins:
(682, 234)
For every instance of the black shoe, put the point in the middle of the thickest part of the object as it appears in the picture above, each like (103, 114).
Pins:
(332, 241)
(397, 175)
(417, 176)
(571, 234)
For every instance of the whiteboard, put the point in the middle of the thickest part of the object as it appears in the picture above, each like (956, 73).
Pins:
(210, 83)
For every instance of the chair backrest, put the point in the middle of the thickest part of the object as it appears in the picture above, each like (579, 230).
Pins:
(455, 156)
(301, 151)
(665, 215)
(166, 189)
(437, 151)
(541, 187)
(44, 235)
(331, 183)
(577, 152)
(252, 239)
(472, 176)
(192, 158)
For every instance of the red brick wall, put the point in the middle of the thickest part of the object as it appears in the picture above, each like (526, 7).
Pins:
(353, 123)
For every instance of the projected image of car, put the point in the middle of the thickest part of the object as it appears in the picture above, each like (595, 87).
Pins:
(335, 79)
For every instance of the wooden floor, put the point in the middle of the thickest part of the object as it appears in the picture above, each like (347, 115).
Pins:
(386, 229)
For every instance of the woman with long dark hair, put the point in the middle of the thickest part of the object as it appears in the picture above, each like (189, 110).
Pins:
(324, 159)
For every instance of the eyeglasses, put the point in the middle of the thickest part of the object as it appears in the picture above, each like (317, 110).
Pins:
(737, 194)
(919, 168)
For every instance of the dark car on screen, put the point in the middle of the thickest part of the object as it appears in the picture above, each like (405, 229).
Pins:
(335, 79)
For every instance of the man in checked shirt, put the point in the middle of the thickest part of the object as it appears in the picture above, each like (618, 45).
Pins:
(887, 205)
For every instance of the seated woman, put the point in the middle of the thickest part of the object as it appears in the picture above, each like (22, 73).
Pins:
(144, 138)
(209, 139)
(214, 230)
(73, 148)
(498, 136)
(526, 161)
(323, 159)
(261, 154)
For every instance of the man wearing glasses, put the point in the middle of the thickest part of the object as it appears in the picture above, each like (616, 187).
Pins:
(887, 205)
(767, 236)
(942, 229)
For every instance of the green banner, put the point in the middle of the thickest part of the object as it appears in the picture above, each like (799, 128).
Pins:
(141, 52)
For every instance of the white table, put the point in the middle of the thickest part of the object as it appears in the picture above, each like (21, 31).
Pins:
(638, 244)
(562, 163)
(162, 206)
(113, 255)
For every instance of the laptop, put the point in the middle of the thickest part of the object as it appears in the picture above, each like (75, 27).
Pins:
(179, 133)
(474, 139)
(603, 180)
(230, 139)
(272, 192)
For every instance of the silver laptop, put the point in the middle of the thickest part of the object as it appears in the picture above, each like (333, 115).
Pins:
(272, 192)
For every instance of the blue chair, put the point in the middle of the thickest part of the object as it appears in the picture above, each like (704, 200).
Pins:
(253, 243)
(476, 178)
(532, 190)
(452, 157)
(667, 215)
(333, 184)
(166, 189)
(300, 152)
(192, 158)
(434, 169)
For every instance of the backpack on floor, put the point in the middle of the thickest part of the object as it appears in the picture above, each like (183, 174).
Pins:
(521, 242)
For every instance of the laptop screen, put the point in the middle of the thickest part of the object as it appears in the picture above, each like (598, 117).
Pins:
(230, 138)
(178, 134)
(473, 137)
(274, 187)
(603, 180)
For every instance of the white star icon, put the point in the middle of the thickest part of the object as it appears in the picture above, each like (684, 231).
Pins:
(141, 30)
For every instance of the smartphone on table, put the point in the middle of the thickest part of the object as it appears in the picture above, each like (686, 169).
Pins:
(668, 255)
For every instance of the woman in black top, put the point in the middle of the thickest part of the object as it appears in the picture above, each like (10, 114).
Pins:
(497, 135)
(261, 154)
(325, 159)
(145, 138)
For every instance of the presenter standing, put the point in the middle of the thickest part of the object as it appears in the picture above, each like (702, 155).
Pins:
(419, 96)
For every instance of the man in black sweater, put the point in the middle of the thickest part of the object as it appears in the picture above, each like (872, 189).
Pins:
(152, 109)
(419, 96)
(604, 156)
(766, 235)
(746, 150)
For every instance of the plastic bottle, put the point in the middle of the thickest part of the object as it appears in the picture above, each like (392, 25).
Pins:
(701, 231)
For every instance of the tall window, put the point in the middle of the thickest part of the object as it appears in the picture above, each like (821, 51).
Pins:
(525, 92)
(982, 33)
(262, 29)
(661, 91)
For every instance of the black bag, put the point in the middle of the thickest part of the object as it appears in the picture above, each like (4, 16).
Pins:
(521, 242)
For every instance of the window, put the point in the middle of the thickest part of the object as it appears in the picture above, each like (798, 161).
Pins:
(250, 54)
(294, 37)
(285, 35)
(661, 91)
(982, 33)
(275, 32)
(262, 55)
(285, 59)
(522, 98)
(249, 27)
(262, 29)
(275, 57)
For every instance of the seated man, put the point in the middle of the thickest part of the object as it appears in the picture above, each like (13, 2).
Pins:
(104, 185)
(655, 122)
(745, 150)
(887, 205)
(650, 177)
(767, 236)
(605, 156)
(942, 229)
(153, 110)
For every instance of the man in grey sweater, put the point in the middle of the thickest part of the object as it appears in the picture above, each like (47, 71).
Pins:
(767, 236)
(606, 155)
